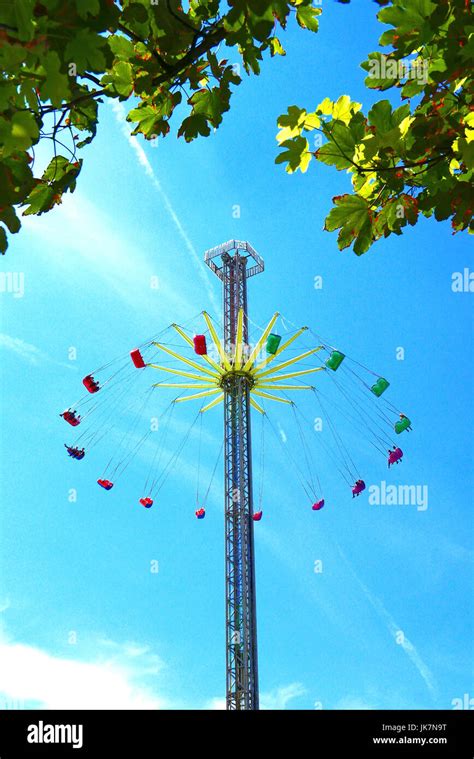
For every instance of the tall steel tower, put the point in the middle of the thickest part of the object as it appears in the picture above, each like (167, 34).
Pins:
(238, 262)
(239, 376)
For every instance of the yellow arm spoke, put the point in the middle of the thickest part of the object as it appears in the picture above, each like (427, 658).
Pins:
(271, 397)
(198, 395)
(213, 403)
(186, 385)
(238, 340)
(271, 386)
(287, 363)
(289, 376)
(183, 334)
(185, 360)
(257, 348)
(216, 341)
(283, 347)
(191, 343)
(180, 373)
(255, 405)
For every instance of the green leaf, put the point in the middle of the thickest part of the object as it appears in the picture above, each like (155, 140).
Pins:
(193, 126)
(209, 103)
(344, 109)
(466, 151)
(395, 214)
(291, 123)
(276, 48)
(85, 50)
(16, 179)
(10, 219)
(59, 177)
(380, 116)
(339, 150)
(411, 88)
(351, 215)
(3, 241)
(7, 94)
(251, 57)
(24, 19)
(307, 17)
(20, 133)
(56, 85)
(384, 119)
(261, 23)
(297, 155)
(120, 80)
(408, 16)
(390, 127)
(121, 47)
(150, 121)
(136, 13)
(88, 7)
(382, 71)
(39, 200)
(61, 173)
(83, 116)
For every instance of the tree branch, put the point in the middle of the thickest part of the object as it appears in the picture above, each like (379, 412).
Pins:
(414, 165)
(90, 77)
(72, 103)
(173, 72)
(136, 38)
(178, 18)
(208, 42)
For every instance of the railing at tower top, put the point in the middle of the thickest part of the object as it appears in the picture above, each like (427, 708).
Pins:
(242, 247)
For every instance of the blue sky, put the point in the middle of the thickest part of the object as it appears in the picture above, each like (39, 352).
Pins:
(84, 623)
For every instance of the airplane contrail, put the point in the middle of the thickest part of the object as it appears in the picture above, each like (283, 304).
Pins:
(120, 115)
(394, 629)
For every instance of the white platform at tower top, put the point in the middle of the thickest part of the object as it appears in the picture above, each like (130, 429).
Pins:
(238, 245)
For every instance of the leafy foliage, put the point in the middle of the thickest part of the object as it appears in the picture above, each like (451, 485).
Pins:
(411, 160)
(61, 58)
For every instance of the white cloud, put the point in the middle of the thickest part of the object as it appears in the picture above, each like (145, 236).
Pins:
(282, 433)
(215, 704)
(113, 261)
(30, 676)
(279, 698)
(197, 259)
(143, 660)
(354, 702)
(276, 699)
(27, 351)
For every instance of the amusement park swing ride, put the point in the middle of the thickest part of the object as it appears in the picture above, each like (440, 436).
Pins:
(246, 379)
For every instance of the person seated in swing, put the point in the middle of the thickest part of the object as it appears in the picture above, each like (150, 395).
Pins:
(394, 456)
(408, 427)
(75, 453)
(71, 417)
(358, 487)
